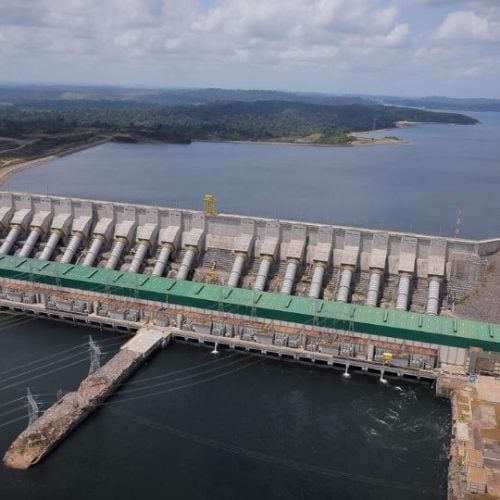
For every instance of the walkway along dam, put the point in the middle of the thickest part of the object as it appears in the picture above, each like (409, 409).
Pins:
(356, 298)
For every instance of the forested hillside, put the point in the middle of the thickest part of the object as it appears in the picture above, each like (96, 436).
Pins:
(43, 125)
(220, 120)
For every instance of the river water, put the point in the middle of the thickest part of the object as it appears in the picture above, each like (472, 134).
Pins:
(194, 425)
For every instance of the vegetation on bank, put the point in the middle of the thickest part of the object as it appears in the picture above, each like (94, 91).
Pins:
(66, 95)
(448, 103)
(336, 138)
(51, 126)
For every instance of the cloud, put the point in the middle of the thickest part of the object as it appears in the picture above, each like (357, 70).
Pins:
(21, 14)
(465, 26)
(314, 28)
(252, 41)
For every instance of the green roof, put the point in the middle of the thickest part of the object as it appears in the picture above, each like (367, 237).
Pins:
(303, 310)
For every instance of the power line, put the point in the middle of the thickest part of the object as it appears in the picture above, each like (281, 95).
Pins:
(58, 353)
(155, 377)
(183, 370)
(42, 367)
(45, 374)
(19, 408)
(172, 389)
(175, 380)
(259, 456)
(17, 322)
(12, 421)
(185, 386)
(46, 365)
(12, 401)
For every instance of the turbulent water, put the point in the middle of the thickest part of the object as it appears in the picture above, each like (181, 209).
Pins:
(194, 425)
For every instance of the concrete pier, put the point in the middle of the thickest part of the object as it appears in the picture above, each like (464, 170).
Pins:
(38, 439)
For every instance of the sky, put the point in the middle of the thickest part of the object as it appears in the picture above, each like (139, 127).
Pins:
(396, 47)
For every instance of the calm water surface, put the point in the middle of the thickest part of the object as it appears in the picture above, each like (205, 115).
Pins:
(417, 187)
(193, 425)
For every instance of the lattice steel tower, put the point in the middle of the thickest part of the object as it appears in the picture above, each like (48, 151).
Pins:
(33, 409)
(95, 356)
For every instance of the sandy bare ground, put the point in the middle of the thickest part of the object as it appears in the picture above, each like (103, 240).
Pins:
(18, 145)
(361, 140)
(7, 170)
(358, 140)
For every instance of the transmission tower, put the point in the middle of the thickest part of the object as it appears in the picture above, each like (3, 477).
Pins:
(95, 356)
(33, 410)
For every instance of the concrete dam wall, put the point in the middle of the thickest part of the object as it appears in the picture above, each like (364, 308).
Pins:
(322, 293)
(388, 269)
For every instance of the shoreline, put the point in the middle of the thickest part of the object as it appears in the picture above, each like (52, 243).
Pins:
(273, 143)
(363, 140)
(359, 140)
(7, 171)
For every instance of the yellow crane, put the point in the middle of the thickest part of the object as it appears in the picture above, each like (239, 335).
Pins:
(209, 201)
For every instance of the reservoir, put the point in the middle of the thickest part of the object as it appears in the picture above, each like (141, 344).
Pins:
(418, 187)
(194, 425)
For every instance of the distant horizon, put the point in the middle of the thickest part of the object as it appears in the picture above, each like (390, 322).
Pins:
(7, 83)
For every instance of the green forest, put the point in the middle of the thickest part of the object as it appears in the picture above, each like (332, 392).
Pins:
(46, 125)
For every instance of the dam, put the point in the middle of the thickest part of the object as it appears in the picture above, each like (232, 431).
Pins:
(334, 292)
(351, 298)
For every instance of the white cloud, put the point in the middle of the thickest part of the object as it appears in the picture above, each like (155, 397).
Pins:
(302, 40)
(465, 26)
(353, 16)
(314, 29)
(398, 36)
(473, 71)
